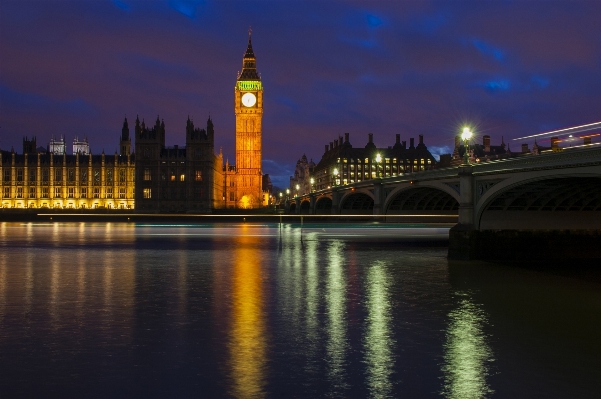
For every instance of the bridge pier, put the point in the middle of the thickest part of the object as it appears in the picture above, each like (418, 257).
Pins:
(297, 209)
(462, 243)
(378, 197)
(312, 203)
(335, 201)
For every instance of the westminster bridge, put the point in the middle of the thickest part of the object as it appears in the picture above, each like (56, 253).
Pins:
(551, 192)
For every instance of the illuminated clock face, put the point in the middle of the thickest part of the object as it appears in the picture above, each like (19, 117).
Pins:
(249, 99)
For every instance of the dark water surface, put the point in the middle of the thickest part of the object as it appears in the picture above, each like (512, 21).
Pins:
(251, 311)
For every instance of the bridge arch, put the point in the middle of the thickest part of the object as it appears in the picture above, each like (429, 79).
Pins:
(357, 202)
(323, 205)
(292, 208)
(423, 199)
(305, 206)
(557, 200)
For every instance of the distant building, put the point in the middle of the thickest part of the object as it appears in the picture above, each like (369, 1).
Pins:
(302, 176)
(57, 147)
(81, 147)
(343, 164)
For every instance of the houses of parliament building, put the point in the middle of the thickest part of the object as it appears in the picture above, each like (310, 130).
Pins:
(154, 178)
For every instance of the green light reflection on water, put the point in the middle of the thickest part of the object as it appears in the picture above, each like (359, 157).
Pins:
(378, 337)
(467, 353)
(336, 310)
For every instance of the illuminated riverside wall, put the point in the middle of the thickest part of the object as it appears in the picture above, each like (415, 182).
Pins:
(38, 180)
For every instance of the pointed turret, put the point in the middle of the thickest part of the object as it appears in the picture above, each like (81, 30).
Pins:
(249, 63)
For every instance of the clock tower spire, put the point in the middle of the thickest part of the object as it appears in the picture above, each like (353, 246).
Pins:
(248, 108)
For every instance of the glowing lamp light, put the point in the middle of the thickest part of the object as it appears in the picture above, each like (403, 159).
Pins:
(312, 180)
(467, 134)
(378, 158)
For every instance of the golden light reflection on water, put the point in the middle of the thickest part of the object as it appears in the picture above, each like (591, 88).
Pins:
(378, 338)
(336, 310)
(247, 343)
(467, 353)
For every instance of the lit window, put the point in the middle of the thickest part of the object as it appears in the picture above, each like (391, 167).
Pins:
(57, 192)
(71, 193)
(198, 175)
(84, 193)
(19, 192)
(147, 193)
(96, 193)
(6, 193)
(109, 193)
(122, 193)
(45, 192)
(182, 177)
(147, 176)
(32, 192)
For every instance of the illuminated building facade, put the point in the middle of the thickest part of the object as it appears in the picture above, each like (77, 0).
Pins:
(47, 180)
(243, 181)
(343, 164)
(173, 179)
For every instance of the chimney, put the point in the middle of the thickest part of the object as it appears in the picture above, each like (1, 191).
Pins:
(486, 142)
(525, 147)
(554, 143)
(404, 144)
(371, 138)
(346, 135)
(398, 139)
(421, 139)
(411, 143)
(326, 148)
(331, 145)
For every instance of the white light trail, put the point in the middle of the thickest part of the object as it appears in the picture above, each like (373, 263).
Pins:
(569, 130)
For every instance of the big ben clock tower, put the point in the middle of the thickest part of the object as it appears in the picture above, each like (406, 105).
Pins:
(248, 106)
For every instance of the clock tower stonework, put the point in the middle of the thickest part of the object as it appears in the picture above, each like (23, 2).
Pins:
(248, 108)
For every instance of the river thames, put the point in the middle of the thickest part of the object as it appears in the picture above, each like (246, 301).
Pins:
(258, 310)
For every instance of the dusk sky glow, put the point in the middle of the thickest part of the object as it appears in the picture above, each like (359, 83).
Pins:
(507, 68)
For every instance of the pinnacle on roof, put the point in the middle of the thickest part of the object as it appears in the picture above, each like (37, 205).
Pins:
(249, 50)
(249, 63)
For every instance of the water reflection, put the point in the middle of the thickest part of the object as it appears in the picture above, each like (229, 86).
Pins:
(247, 343)
(379, 345)
(467, 353)
(336, 325)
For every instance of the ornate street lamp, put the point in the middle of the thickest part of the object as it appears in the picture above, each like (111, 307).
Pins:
(466, 136)
(287, 194)
(297, 188)
(378, 161)
(312, 181)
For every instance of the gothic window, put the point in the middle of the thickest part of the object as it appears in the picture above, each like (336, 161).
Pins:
(19, 176)
(109, 176)
(96, 176)
(122, 175)
(7, 175)
(84, 176)
(32, 192)
(71, 174)
(45, 192)
(6, 193)
(96, 193)
(32, 175)
(45, 175)
(19, 192)
(84, 192)
(57, 192)
(58, 175)
(147, 176)
(182, 177)
(146, 153)
(109, 193)
(122, 193)
(198, 175)
(71, 192)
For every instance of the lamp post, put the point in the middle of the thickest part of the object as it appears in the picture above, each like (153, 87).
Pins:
(378, 161)
(287, 194)
(466, 136)
(335, 176)
(312, 181)
(297, 188)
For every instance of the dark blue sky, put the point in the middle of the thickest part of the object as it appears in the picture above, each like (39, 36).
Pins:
(509, 68)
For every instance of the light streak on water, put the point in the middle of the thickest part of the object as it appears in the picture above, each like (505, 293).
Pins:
(467, 353)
